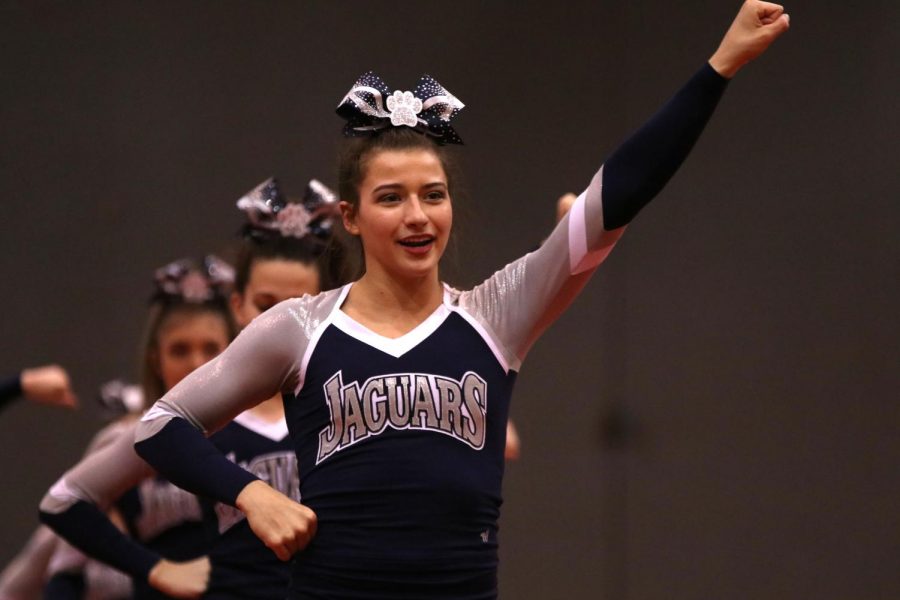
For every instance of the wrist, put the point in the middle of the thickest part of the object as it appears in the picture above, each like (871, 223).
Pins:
(245, 498)
(724, 65)
(155, 572)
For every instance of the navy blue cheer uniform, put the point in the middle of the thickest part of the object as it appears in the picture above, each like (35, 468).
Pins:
(165, 521)
(242, 566)
(400, 441)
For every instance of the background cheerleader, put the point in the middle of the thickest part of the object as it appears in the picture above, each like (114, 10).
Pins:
(189, 323)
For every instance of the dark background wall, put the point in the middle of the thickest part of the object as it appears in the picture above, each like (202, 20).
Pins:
(743, 335)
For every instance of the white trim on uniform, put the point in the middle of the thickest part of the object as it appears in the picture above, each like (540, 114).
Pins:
(274, 430)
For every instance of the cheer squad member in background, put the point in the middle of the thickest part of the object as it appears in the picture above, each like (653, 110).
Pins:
(46, 557)
(397, 387)
(286, 252)
(189, 323)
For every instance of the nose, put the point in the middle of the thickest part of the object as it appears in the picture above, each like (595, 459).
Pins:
(198, 359)
(415, 216)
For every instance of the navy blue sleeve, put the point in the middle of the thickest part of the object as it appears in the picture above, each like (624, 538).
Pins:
(64, 586)
(189, 460)
(86, 527)
(643, 165)
(10, 389)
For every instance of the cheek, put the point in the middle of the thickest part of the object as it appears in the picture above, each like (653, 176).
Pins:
(248, 313)
(173, 366)
(243, 312)
(376, 228)
(443, 220)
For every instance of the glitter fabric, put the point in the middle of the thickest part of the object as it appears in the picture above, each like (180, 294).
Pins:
(370, 106)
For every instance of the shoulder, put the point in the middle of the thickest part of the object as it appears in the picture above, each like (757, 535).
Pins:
(307, 312)
(282, 334)
(110, 433)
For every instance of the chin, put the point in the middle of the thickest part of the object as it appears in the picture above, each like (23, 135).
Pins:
(416, 270)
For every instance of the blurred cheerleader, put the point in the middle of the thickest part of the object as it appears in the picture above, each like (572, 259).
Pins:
(287, 251)
(189, 323)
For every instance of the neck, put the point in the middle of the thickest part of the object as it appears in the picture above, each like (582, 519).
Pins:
(398, 295)
(271, 410)
(392, 307)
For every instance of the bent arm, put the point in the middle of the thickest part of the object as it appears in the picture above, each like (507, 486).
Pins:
(75, 506)
(23, 577)
(262, 361)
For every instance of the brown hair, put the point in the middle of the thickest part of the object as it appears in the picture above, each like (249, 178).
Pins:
(356, 152)
(328, 256)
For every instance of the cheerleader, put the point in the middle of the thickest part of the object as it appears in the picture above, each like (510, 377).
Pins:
(189, 323)
(286, 252)
(396, 387)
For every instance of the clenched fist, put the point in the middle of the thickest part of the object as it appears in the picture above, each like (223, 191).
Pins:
(756, 26)
(283, 525)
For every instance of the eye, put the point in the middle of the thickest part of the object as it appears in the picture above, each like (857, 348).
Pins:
(212, 349)
(436, 195)
(264, 301)
(263, 306)
(179, 350)
(390, 198)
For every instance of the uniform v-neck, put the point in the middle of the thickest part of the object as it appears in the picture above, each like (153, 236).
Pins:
(398, 346)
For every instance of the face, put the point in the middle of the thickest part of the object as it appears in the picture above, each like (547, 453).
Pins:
(404, 215)
(272, 281)
(187, 341)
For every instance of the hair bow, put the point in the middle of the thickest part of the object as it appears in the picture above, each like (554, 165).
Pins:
(370, 106)
(268, 211)
(118, 398)
(183, 280)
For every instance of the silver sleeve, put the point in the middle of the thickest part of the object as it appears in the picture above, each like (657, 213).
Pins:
(262, 361)
(101, 477)
(517, 303)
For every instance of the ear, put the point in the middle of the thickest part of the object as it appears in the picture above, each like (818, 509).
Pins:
(235, 302)
(348, 216)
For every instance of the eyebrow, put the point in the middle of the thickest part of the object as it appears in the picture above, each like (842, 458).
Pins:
(389, 186)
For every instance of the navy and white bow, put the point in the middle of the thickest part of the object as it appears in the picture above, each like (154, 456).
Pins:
(183, 280)
(269, 212)
(370, 106)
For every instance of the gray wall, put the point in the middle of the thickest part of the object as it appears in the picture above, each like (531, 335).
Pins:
(745, 329)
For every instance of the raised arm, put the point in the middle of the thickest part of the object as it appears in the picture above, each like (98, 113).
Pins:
(519, 302)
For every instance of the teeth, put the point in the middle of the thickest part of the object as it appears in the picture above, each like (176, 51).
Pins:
(416, 243)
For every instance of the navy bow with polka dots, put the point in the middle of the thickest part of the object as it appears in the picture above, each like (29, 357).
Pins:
(370, 106)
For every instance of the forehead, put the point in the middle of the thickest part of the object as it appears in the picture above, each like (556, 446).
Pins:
(403, 166)
(199, 323)
(283, 278)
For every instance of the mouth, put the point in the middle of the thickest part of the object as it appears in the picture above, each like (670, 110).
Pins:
(417, 244)
(417, 241)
